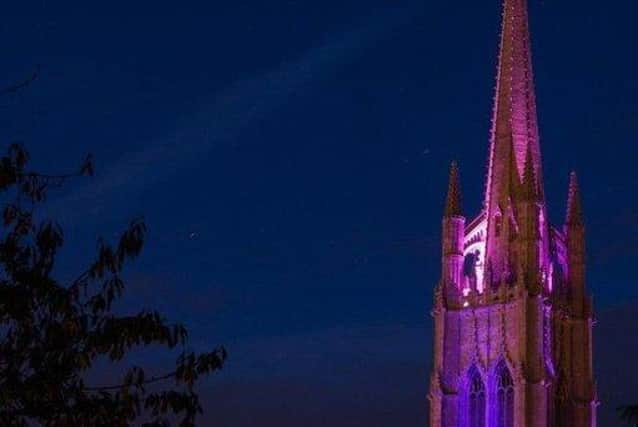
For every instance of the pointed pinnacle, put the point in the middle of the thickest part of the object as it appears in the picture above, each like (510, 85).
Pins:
(453, 200)
(530, 188)
(574, 207)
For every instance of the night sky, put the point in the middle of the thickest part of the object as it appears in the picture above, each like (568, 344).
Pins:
(290, 159)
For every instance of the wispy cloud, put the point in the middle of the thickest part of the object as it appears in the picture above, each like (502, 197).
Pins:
(233, 110)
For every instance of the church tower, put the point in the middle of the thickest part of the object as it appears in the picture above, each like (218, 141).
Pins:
(512, 316)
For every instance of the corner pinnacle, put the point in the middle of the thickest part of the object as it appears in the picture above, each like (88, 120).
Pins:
(574, 207)
(453, 200)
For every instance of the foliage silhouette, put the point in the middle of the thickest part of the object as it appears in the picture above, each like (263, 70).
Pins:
(629, 414)
(51, 332)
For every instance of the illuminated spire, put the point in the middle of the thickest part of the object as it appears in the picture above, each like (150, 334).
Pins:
(453, 200)
(514, 121)
(514, 172)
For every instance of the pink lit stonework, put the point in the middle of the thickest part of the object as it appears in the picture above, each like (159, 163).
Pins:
(512, 317)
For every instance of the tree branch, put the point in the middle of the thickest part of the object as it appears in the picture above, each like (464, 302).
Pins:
(120, 386)
(21, 85)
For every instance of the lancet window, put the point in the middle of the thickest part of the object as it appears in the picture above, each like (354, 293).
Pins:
(476, 399)
(504, 397)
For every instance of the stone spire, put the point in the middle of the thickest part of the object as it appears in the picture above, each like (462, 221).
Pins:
(514, 120)
(514, 172)
(574, 208)
(453, 200)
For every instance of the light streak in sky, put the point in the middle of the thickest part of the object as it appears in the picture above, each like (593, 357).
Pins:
(232, 111)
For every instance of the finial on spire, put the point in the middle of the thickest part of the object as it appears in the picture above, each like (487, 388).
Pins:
(453, 200)
(574, 207)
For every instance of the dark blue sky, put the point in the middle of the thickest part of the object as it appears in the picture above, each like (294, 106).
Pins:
(290, 159)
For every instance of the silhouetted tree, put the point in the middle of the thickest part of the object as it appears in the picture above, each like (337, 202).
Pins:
(629, 414)
(52, 333)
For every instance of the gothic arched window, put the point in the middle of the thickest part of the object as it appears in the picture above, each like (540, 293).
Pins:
(469, 269)
(476, 399)
(504, 397)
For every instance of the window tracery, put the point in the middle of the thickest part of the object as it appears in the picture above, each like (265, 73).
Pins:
(476, 399)
(504, 397)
